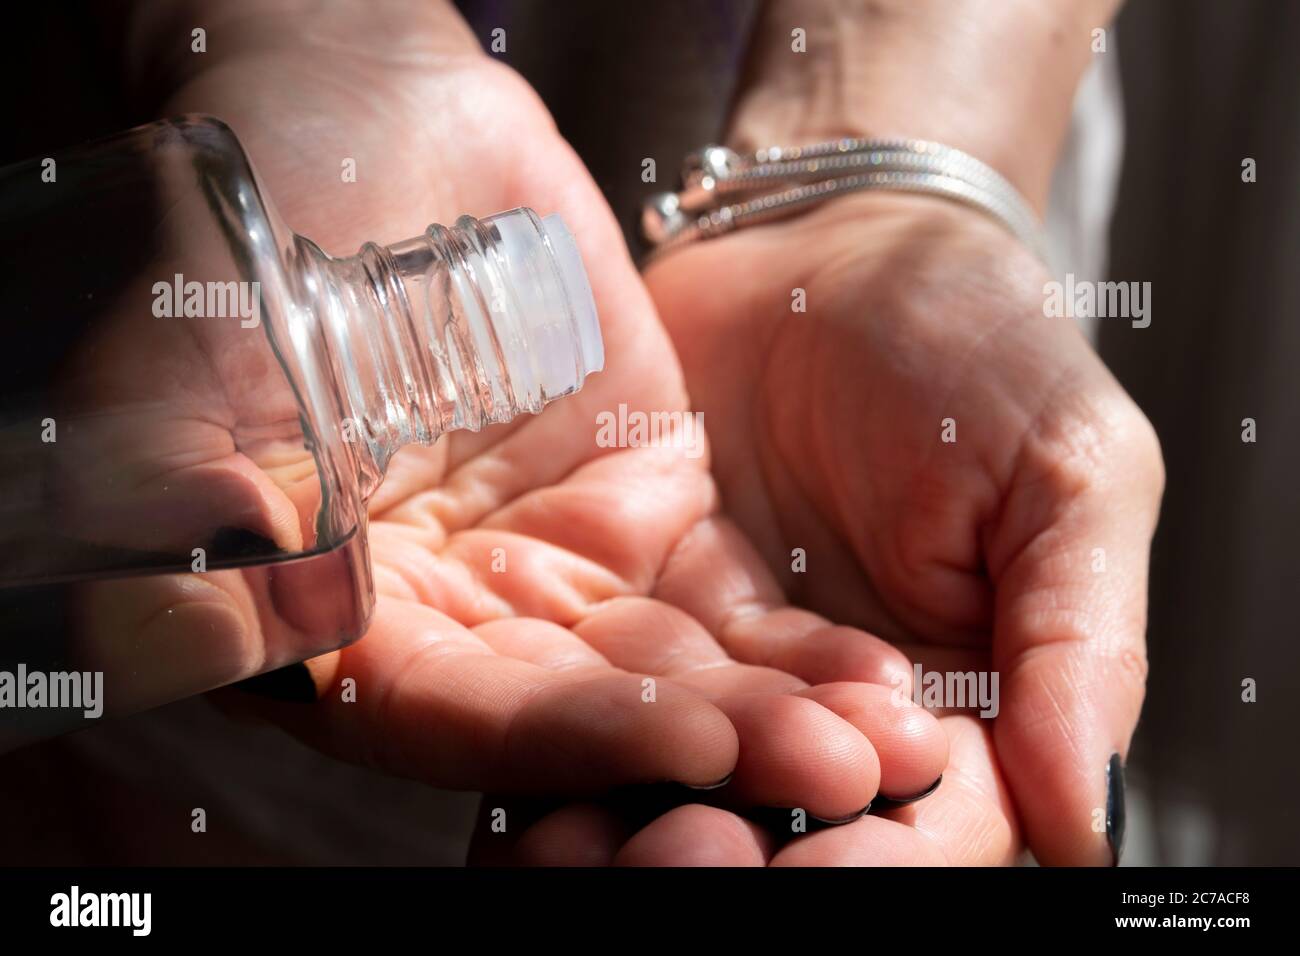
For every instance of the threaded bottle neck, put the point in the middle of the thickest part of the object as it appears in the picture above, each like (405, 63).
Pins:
(457, 328)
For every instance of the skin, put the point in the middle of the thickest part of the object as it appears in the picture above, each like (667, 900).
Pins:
(968, 555)
(976, 554)
(831, 444)
(533, 680)
(968, 821)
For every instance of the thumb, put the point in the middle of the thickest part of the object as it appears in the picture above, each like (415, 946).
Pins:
(1069, 637)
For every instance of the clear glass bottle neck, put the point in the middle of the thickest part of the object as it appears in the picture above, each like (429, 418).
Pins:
(457, 328)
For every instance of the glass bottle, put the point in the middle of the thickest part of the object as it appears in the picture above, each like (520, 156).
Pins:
(198, 404)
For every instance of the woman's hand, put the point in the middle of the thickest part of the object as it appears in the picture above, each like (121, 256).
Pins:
(965, 476)
(553, 615)
(968, 820)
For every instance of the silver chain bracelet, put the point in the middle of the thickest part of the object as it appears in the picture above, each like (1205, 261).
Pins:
(723, 190)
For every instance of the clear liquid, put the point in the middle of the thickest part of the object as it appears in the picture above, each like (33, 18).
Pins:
(164, 517)
(158, 637)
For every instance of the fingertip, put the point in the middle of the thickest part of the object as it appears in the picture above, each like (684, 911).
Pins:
(871, 841)
(636, 730)
(582, 834)
(837, 653)
(1056, 749)
(913, 753)
(910, 743)
(697, 835)
(797, 753)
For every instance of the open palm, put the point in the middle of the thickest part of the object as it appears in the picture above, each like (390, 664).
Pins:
(529, 579)
(964, 475)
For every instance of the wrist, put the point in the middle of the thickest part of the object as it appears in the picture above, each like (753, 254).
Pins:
(994, 80)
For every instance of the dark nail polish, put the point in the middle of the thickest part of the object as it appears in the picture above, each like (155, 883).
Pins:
(1115, 807)
(881, 804)
(638, 804)
(643, 802)
(857, 815)
(779, 820)
(293, 684)
(711, 786)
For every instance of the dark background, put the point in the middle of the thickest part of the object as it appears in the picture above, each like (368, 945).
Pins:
(1206, 83)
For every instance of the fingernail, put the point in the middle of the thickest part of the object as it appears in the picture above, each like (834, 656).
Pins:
(711, 786)
(882, 804)
(1115, 807)
(293, 684)
(780, 820)
(839, 822)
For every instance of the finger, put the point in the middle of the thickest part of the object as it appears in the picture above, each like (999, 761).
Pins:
(909, 743)
(580, 834)
(638, 635)
(1069, 642)
(196, 631)
(188, 633)
(716, 577)
(697, 835)
(171, 464)
(427, 698)
(651, 637)
(970, 817)
(967, 821)
(871, 841)
(542, 643)
(796, 753)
